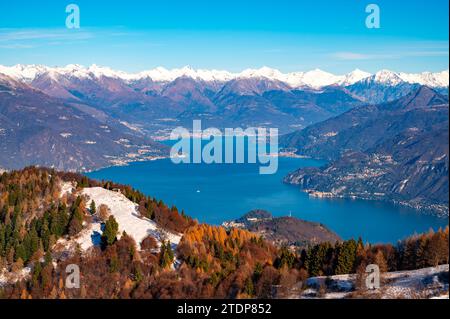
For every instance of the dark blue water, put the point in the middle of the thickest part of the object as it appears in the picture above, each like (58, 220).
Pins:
(215, 193)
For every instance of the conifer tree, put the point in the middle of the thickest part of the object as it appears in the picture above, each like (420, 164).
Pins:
(110, 232)
(92, 208)
(346, 257)
(166, 254)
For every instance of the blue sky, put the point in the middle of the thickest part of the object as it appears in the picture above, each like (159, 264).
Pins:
(289, 35)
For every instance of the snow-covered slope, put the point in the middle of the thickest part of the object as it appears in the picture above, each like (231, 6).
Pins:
(390, 78)
(126, 214)
(353, 77)
(386, 77)
(161, 74)
(439, 79)
(318, 78)
(314, 79)
(408, 284)
(420, 283)
(22, 72)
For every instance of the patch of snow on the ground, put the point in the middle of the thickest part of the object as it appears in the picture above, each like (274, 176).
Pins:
(126, 214)
(11, 278)
(407, 283)
(66, 187)
(420, 283)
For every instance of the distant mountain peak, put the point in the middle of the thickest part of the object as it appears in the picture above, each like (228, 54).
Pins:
(387, 77)
(424, 96)
(264, 71)
(438, 79)
(9, 82)
(353, 77)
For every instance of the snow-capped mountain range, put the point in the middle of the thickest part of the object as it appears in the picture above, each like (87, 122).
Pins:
(314, 79)
(79, 118)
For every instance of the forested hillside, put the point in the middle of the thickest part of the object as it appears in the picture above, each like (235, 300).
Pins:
(208, 262)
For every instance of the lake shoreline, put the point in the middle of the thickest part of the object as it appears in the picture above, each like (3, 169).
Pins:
(217, 193)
